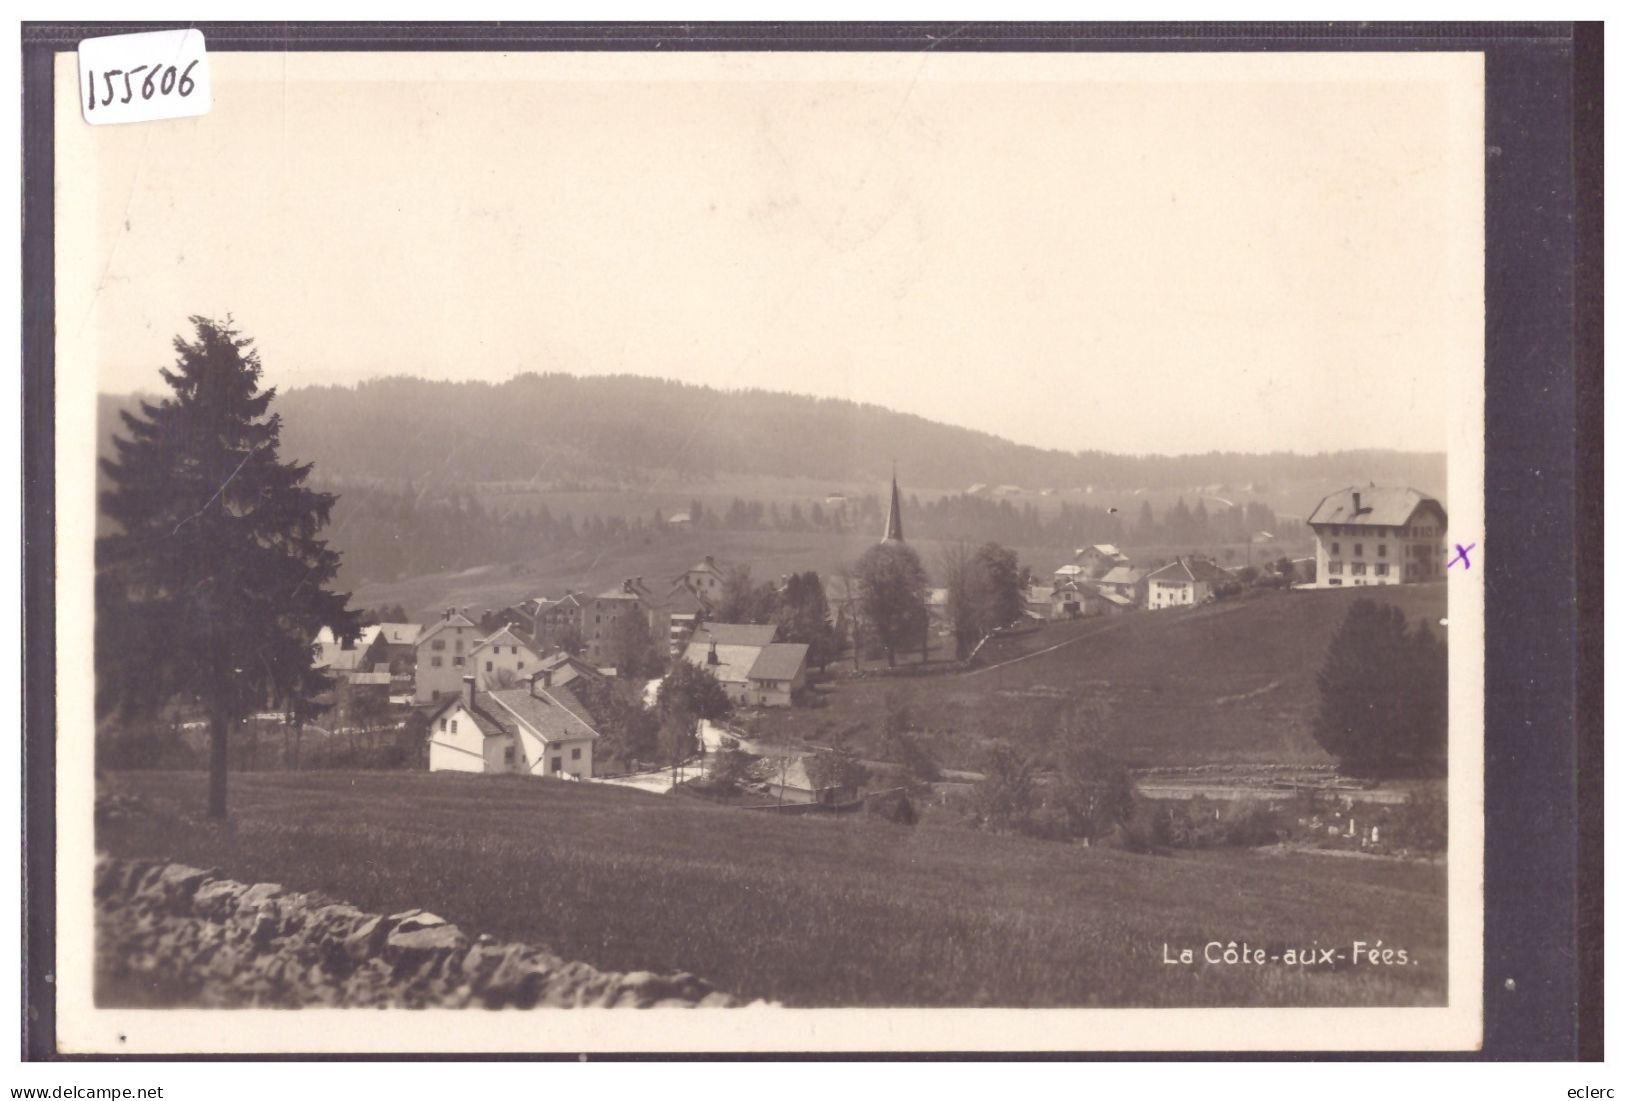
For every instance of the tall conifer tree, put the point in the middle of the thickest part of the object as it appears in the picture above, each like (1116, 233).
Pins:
(216, 580)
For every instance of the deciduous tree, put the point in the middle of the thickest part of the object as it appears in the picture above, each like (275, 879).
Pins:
(891, 586)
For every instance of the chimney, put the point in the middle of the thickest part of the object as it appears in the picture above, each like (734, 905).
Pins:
(626, 585)
(711, 657)
(710, 561)
(1356, 502)
(468, 691)
(446, 614)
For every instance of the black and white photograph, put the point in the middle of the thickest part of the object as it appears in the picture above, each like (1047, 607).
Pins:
(876, 551)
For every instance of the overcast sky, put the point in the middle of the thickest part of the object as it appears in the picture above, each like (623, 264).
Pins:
(1131, 254)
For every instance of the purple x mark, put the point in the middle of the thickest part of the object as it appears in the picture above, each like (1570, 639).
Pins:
(1461, 556)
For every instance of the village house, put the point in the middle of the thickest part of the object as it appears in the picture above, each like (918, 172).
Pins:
(1038, 601)
(1099, 560)
(705, 579)
(686, 610)
(344, 658)
(1182, 583)
(400, 642)
(562, 670)
(551, 618)
(504, 658)
(601, 613)
(752, 668)
(1378, 535)
(1083, 600)
(531, 730)
(444, 648)
(1125, 583)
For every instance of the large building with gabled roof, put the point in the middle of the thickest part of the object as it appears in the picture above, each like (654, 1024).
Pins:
(1378, 535)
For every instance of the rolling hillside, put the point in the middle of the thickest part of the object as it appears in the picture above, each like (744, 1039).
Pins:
(1229, 683)
(633, 431)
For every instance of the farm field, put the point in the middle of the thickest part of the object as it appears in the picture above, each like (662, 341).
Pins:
(809, 911)
(1227, 683)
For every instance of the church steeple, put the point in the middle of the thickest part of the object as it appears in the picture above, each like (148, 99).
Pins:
(894, 515)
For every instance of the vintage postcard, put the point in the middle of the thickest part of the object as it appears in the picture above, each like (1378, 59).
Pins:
(836, 551)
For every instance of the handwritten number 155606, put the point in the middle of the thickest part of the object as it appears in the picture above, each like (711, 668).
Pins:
(160, 80)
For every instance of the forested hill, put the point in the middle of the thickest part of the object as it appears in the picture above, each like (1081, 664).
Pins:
(556, 428)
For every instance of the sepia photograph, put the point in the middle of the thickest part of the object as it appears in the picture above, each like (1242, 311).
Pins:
(878, 551)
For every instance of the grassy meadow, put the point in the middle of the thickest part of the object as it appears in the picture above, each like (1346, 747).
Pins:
(1226, 683)
(809, 911)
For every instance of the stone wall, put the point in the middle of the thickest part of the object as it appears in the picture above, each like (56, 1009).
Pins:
(168, 934)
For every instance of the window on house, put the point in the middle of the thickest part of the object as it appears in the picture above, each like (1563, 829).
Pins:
(458, 660)
(1337, 548)
(487, 667)
(442, 724)
(1359, 549)
(575, 754)
(438, 644)
(521, 665)
(1359, 569)
(1382, 550)
(1334, 567)
(507, 756)
(435, 662)
(454, 726)
(558, 764)
(1382, 569)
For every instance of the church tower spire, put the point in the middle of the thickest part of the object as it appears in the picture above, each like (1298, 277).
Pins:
(894, 514)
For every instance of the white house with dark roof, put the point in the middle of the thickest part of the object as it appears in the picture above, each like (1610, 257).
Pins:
(531, 730)
(503, 659)
(1378, 535)
(752, 668)
(444, 649)
(1182, 583)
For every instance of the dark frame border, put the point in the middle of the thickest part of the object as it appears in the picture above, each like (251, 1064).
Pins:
(1543, 462)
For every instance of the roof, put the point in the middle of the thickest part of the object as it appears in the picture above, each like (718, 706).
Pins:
(936, 597)
(683, 600)
(630, 589)
(488, 723)
(1380, 506)
(735, 634)
(401, 634)
(552, 714)
(1118, 599)
(1189, 569)
(505, 635)
(565, 669)
(1068, 570)
(368, 636)
(708, 564)
(1122, 575)
(780, 661)
(345, 660)
(734, 662)
(456, 619)
(1105, 549)
(369, 678)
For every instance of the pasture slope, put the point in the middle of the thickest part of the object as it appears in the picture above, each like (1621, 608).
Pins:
(1227, 683)
(817, 911)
